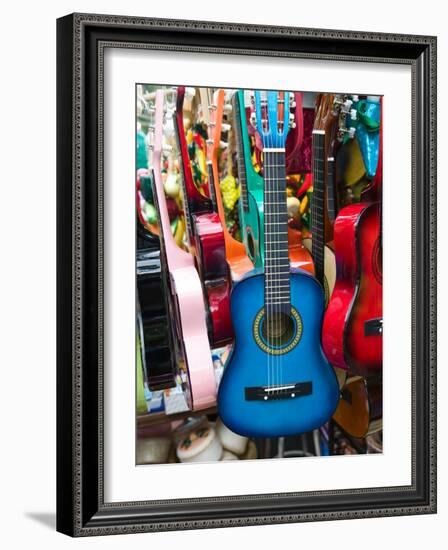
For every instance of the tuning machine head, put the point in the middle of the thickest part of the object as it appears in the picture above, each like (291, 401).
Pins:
(228, 107)
(348, 132)
(253, 119)
(292, 120)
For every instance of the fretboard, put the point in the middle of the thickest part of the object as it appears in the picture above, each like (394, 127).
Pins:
(318, 204)
(240, 152)
(331, 191)
(277, 295)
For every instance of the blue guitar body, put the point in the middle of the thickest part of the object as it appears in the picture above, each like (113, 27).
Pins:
(281, 390)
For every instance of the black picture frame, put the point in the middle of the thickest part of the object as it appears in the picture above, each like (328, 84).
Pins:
(81, 40)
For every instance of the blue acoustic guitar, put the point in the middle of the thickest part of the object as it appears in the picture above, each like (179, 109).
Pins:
(277, 381)
(251, 185)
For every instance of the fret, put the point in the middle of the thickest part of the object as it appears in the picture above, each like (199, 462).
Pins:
(278, 288)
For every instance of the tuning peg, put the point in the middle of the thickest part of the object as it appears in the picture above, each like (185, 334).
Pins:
(351, 132)
(228, 108)
(225, 127)
(223, 144)
(253, 119)
(167, 148)
(209, 141)
(355, 98)
(292, 124)
(248, 98)
(353, 114)
(190, 92)
(346, 106)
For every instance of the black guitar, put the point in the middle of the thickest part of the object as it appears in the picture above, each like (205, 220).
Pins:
(153, 320)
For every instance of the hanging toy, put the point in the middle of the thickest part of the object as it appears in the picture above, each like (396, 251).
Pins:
(171, 185)
(149, 213)
(230, 192)
(294, 215)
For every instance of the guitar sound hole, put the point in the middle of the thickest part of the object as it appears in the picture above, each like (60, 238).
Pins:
(278, 329)
(377, 261)
(250, 244)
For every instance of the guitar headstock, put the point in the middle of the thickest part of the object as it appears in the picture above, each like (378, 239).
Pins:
(161, 122)
(180, 99)
(333, 112)
(325, 114)
(213, 110)
(272, 117)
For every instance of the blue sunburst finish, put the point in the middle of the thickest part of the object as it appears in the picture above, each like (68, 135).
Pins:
(248, 365)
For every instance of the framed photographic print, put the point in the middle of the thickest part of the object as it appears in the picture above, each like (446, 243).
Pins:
(246, 274)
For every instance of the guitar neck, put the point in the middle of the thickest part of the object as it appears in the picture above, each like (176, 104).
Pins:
(175, 256)
(318, 204)
(239, 112)
(182, 149)
(211, 186)
(277, 284)
(331, 191)
(194, 201)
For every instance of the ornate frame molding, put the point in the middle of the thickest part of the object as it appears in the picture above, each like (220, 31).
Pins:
(82, 39)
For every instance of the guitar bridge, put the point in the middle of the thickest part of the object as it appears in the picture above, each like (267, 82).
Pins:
(281, 391)
(373, 327)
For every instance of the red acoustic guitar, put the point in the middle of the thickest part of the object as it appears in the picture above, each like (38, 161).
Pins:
(353, 322)
(206, 241)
